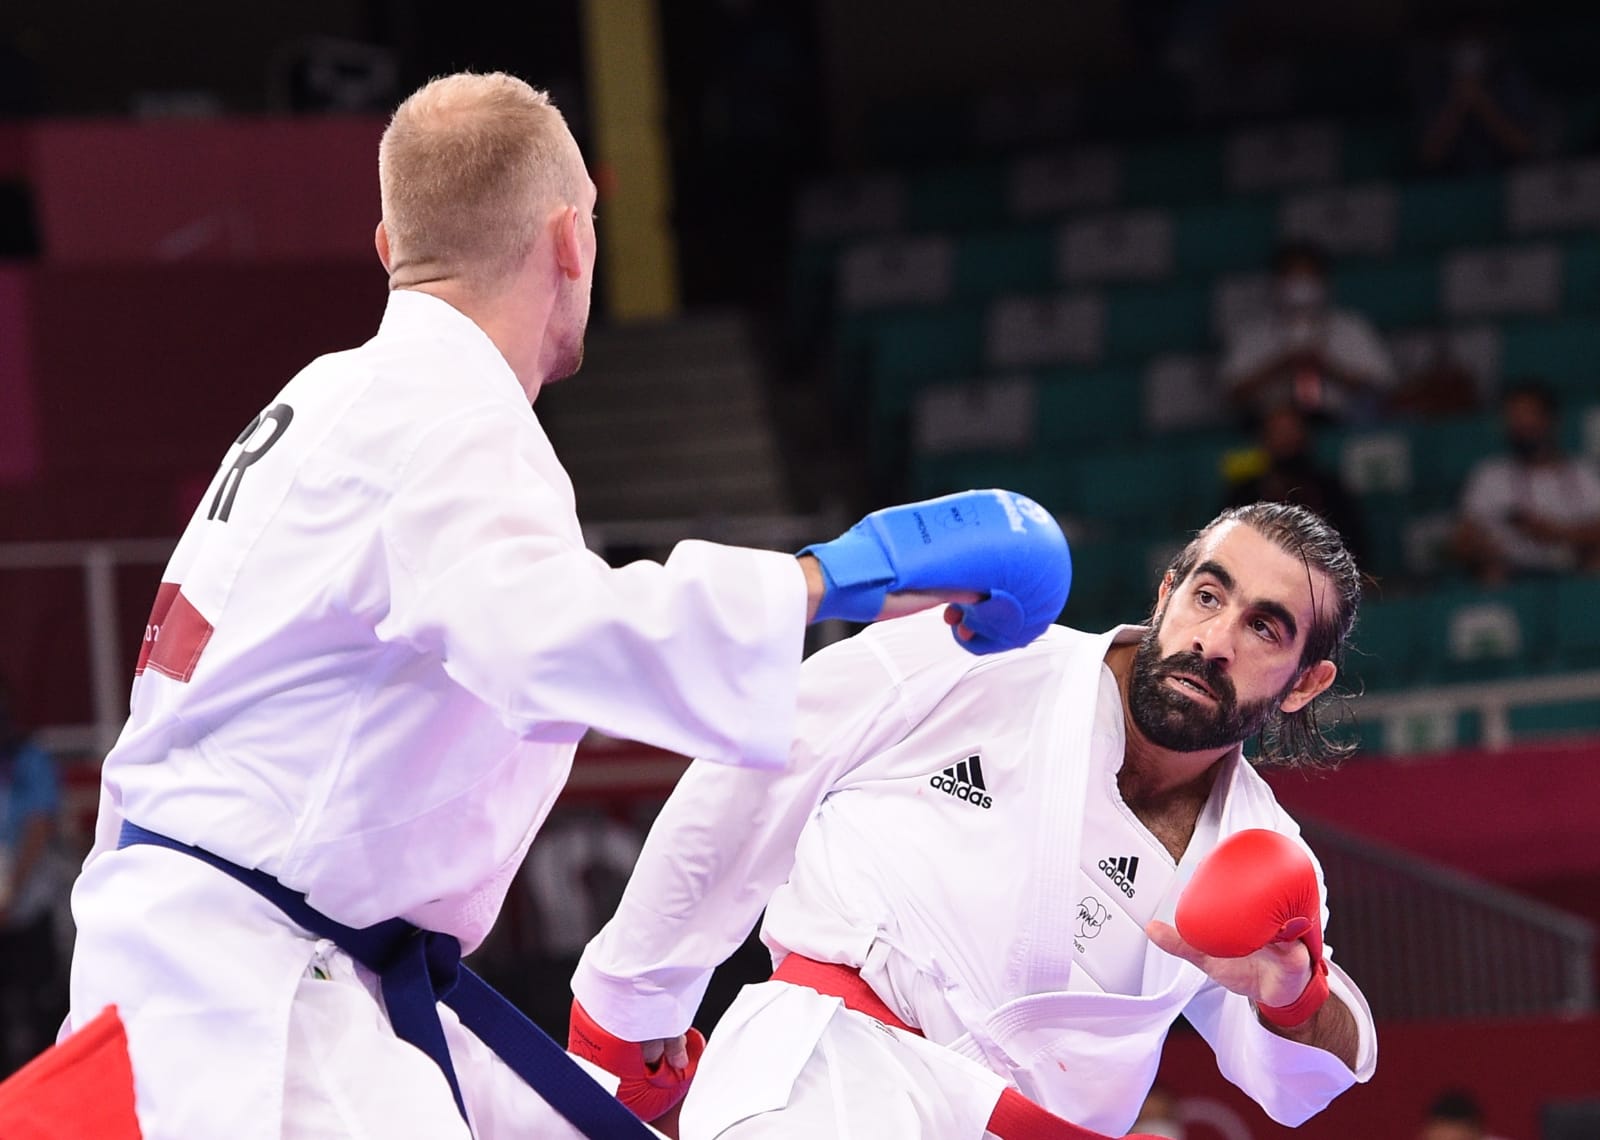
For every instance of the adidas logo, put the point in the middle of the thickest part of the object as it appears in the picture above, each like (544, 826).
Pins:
(1122, 871)
(964, 781)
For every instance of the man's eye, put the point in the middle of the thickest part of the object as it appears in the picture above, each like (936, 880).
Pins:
(1265, 629)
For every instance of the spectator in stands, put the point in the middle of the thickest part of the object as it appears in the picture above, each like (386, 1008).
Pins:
(1303, 352)
(1455, 1115)
(1477, 106)
(1287, 472)
(32, 1003)
(1534, 509)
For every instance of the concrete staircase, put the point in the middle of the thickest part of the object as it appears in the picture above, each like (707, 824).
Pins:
(668, 420)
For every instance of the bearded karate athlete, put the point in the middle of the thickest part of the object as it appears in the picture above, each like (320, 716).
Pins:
(976, 872)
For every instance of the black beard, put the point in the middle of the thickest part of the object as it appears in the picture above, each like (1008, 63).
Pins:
(1180, 723)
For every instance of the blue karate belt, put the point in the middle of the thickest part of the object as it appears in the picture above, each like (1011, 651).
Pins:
(420, 968)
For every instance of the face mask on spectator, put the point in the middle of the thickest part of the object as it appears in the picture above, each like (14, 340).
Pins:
(1525, 447)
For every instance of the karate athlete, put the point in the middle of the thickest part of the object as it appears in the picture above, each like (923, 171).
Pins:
(378, 642)
(971, 870)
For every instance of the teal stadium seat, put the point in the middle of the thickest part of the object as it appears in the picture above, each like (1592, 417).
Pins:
(1142, 320)
(1443, 454)
(1564, 353)
(1577, 636)
(1078, 409)
(1230, 237)
(1112, 582)
(958, 196)
(1386, 651)
(1479, 634)
(1580, 285)
(910, 350)
(1175, 172)
(1017, 260)
(1031, 474)
(1375, 150)
(1440, 213)
(1391, 294)
(1131, 490)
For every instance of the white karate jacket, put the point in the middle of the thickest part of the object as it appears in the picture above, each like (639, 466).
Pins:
(962, 917)
(379, 641)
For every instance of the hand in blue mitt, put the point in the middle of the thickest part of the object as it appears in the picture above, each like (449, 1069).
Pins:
(997, 544)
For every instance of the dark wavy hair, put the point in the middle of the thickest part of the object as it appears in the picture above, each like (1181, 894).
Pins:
(1300, 739)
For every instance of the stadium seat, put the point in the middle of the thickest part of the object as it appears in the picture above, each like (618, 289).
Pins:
(1142, 320)
(1565, 353)
(1386, 649)
(1577, 632)
(1174, 173)
(956, 197)
(1227, 237)
(1087, 409)
(1020, 259)
(1346, 221)
(1444, 453)
(1391, 294)
(1483, 634)
(1439, 213)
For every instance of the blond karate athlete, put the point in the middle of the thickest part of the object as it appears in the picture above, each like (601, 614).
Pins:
(380, 638)
(990, 853)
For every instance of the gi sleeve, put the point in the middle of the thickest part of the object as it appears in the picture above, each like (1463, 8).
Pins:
(726, 840)
(699, 655)
(1290, 1081)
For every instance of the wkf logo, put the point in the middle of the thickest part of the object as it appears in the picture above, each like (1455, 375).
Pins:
(1092, 916)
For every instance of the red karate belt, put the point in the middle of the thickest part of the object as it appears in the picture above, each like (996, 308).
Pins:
(1015, 1117)
(80, 1089)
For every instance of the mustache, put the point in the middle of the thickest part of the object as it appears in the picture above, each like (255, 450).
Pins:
(1197, 666)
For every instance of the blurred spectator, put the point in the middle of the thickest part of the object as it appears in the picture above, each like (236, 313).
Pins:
(1287, 472)
(1158, 1116)
(1304, 352)
(1477, 107)
(1454, 1116)
(1535, 509)
(31, 1007)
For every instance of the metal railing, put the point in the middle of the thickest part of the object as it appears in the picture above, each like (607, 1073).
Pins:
(1424, 720)
(1425, 941)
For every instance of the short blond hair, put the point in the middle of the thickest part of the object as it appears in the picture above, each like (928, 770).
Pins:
(467, 167)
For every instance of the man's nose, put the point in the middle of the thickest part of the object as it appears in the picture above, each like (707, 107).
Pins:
(1214, 640)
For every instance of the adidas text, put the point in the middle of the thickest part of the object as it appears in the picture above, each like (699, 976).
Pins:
(964, 781)
(1121, 871)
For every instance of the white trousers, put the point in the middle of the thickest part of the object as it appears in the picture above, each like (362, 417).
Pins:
(240, 1027)
(787, 1062)
(348, 1077)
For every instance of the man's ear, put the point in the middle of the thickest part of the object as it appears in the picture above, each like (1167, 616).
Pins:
(380, 241)
(568, 242)
(1311, 684)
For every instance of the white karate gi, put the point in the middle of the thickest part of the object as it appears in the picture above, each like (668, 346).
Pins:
(388, 640)
(979, 918)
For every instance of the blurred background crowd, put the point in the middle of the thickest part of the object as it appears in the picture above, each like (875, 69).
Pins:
(1140, 259)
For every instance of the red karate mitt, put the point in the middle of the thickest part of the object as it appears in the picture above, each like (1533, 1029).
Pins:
(648, 1090)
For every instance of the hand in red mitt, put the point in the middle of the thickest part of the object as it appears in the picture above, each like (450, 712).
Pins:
(651, 1086)
(1251, 918)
